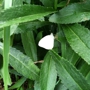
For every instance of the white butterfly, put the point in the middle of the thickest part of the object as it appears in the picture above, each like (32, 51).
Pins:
(47, 42)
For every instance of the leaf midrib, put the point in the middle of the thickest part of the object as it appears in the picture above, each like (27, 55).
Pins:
(24, 19)
(23, 64)
(78, 37)
(18, 60)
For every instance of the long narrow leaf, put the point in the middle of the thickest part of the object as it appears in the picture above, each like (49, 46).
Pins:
(29, 45)
(18, 83)
(48, 73)
(48, 3)
(23, 13)
(5, 69)
(6, 47)
(30, 26)
(73, 13)
(70, 77)
(22, 64)
(79, 39)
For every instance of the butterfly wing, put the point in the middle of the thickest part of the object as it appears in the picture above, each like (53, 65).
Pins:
(47, 42)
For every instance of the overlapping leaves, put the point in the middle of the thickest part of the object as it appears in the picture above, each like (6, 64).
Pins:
(23, 13)
(22, 64)
(79, 39)
(76, 12)
(70, 77)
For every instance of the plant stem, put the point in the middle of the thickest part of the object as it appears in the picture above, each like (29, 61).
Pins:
(6, 45)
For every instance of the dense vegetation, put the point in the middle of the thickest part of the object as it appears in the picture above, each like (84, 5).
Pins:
(26, 66)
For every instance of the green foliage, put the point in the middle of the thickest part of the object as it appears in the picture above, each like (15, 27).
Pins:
(48, 70)
(48, 3)
(66, 73)
(29, 47)
(23, 13)
(30, 67)
(73, 13)
(78, 38)
(22, 63)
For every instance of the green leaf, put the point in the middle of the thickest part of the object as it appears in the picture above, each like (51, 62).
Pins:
(1, 33)
(84, 68)
(73, 13)
(18, 83)
(37, 85)
(62, 4)
(22, 64)
(23, 13)
(23, 27)
(6, 46)
(70, 77)
(60, 86)
(88, 77)
(39, 36)
(66, 50)
(78, 38)
(48, 73)
(48, 3)
(29, 45)
(30, 26)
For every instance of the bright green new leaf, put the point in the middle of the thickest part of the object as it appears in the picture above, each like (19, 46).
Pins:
(79, 39)
(23, 13)
(48, 73)
(70, 77)
(73, 13)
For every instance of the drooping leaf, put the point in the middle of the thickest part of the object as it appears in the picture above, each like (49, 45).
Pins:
(70, 77)
(73, 13)
(22, 64)
(23, 13)
(78, 38)
(29, 45)
(48, 73)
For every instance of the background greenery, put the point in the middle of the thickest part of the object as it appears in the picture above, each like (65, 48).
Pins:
(26, 66)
